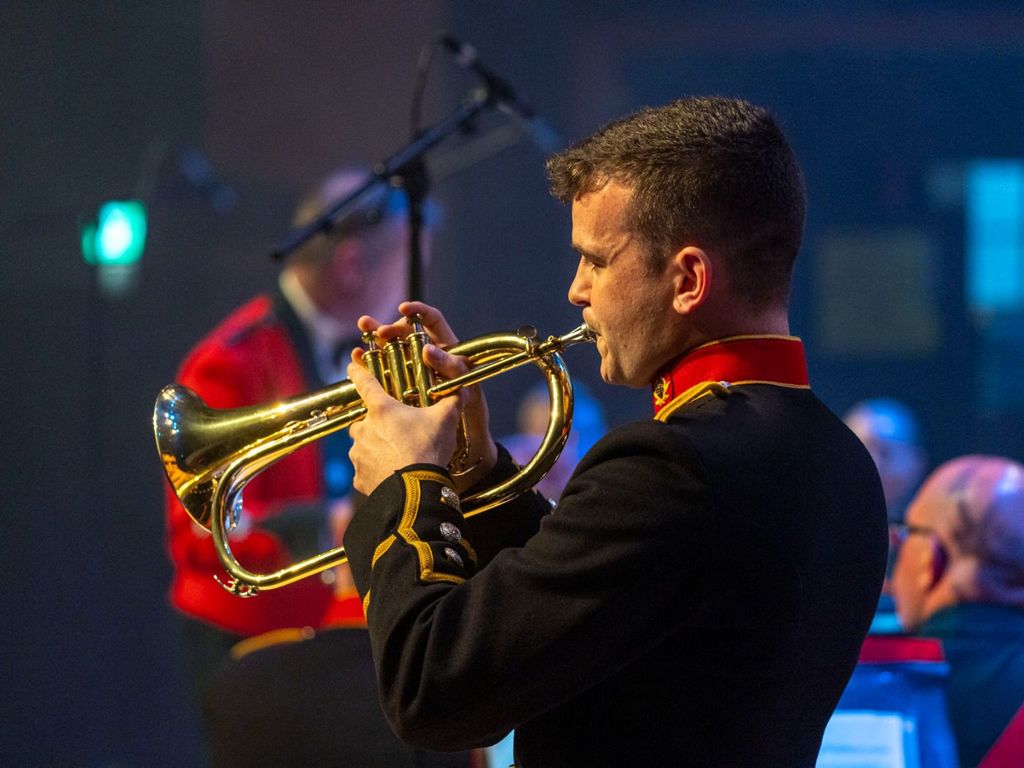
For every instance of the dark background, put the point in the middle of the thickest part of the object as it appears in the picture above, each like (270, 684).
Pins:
(883, 107)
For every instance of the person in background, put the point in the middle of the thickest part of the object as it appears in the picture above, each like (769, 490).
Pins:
(890, 431)
(959, 577)
(258, 667)
(588, 425)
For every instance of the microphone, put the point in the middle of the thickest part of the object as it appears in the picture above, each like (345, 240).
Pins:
(537, 128)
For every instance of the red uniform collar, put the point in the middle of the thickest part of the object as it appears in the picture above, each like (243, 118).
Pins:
(777, 360)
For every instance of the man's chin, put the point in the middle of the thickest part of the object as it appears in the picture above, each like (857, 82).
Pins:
(609, 373)
(618, 378)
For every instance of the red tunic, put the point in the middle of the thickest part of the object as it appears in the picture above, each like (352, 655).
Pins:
(250, 359)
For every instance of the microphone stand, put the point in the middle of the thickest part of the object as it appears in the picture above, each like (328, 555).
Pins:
(407, 166)
(416, 181)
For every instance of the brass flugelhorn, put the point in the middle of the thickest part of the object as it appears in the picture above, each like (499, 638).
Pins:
(210, 454)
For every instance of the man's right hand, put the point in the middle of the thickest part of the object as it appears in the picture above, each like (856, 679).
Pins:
(483, 451)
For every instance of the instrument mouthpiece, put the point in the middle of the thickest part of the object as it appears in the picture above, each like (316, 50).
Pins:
(578, 335)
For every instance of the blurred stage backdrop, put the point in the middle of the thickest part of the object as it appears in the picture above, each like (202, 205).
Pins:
(218, 114)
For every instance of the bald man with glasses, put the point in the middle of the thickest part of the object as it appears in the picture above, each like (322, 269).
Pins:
(959, 577)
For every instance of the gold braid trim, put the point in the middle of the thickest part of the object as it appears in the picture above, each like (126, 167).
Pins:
(405, 530)
(698, 391)
(383, 547)
(274, 637)
(424, 554)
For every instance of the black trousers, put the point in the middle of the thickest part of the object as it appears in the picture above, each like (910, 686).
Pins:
(306, 703)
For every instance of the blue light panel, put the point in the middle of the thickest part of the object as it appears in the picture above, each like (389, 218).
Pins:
(994, 206)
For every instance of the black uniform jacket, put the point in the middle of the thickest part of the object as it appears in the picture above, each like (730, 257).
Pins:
(697, 597)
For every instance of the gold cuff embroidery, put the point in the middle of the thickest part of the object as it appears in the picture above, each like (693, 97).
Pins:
(425, 555)
(383, 547)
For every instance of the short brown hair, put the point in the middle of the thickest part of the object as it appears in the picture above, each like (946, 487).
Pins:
(713, 171)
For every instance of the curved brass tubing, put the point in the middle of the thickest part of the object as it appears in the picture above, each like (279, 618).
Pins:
(209, 455)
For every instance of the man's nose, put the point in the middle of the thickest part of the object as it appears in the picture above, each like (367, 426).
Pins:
(579, 289)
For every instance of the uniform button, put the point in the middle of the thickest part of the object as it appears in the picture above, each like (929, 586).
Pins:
(451, 532)
(450, 497)
(454, 556)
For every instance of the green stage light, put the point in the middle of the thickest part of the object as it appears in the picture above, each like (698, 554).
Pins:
(118, 234)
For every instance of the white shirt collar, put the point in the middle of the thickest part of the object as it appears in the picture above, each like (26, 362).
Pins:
(324, 331)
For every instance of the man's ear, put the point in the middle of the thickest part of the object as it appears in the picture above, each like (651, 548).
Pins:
(929, 565)
(939, 560)
(693, 276)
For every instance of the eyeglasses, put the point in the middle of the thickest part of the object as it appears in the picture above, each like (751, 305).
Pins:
(385, 202)
(898, 535)
(368, 212)
(900, 532)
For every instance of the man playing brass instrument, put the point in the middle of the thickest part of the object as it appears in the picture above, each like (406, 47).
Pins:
(699, 594)
(259, 667)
